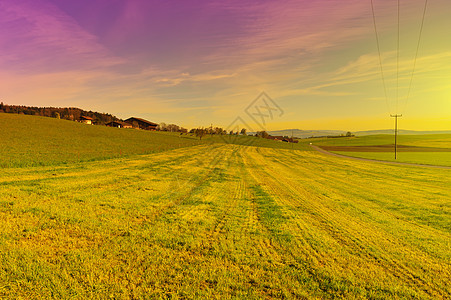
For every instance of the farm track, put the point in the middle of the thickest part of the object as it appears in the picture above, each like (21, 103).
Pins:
(216, 221)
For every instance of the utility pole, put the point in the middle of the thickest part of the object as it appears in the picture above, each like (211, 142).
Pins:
(396, 132)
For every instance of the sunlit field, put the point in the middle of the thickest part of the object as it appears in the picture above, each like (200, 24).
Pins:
(40, 141)
(426, 158)
(424, 140)
(216, 183)
(220, 221)
(433, 149)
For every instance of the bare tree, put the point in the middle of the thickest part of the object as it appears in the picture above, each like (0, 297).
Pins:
(200, 132)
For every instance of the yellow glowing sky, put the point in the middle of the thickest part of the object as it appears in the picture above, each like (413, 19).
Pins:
(196, 63)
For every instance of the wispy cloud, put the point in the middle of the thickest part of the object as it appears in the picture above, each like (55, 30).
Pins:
(210, 58)
(38, 37)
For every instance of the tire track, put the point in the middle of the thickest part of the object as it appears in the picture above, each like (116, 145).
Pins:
(279, 187)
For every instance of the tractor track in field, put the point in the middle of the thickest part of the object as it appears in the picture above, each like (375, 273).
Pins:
(319, 149)
(198, 180)
(277, 246)
(359, 243)
(226, 213)
(249, 223)
(349, 239)
(222, 219)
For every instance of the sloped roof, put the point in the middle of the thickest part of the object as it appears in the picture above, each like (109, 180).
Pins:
(141, 120)
(119, 122)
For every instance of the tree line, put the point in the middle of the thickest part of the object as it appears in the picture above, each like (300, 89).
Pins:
(171, 128)
(203, 131)
(66, 113)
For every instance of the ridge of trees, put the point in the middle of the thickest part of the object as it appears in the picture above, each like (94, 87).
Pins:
(66, 113)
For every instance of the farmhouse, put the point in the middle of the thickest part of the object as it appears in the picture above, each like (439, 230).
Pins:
(86, 120)
(290, 140)
(119, 124)
(275, 138)
(141, 123)
(283, 139)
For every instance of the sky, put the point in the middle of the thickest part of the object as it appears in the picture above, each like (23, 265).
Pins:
(196, 63)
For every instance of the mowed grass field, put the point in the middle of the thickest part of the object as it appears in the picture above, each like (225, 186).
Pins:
(433, 149)
(225, 221)
(424, 140)
(225, 217)
(39, 141)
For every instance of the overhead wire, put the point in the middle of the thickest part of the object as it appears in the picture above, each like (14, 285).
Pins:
(416, 54)
(397, 61)
(398, 55)
(380, 56)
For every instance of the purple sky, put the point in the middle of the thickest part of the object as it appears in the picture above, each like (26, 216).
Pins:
(199, 62)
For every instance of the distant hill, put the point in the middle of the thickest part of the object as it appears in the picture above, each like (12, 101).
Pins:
(305, 133)
(317, 133)
(401, 131)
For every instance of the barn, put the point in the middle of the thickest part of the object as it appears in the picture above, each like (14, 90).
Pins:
(275, 137)
(86, 120)
(119, 124)
(141, 123)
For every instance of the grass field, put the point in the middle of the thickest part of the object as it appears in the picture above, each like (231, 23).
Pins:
(217, 218)
(426, 140)
(410, 154)
(225, 221)
(426, 158)
(38, 141)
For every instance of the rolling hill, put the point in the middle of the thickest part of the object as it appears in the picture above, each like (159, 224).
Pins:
(318, 133)
(34, 140)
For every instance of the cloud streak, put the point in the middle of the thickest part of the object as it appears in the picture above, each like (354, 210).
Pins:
(37, 37)
(158, 57)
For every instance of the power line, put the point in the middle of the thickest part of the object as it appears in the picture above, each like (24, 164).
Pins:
(380, 57)
(416, 54)
(396, 133)
(397, 61)
(396, 115)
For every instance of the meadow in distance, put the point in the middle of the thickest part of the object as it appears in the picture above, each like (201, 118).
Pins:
(97, 212)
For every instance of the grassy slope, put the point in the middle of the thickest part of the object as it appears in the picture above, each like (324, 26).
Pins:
(255, 141)
(220, 221)
(427, 140)
(34, 141)
(426, 158)
(431, 158)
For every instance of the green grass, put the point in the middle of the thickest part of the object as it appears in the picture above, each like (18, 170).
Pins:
(427, 140)
(225, 221)
(257, 142)
(212, 219)
(39, 141)
(427, 158)
(33, 141)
